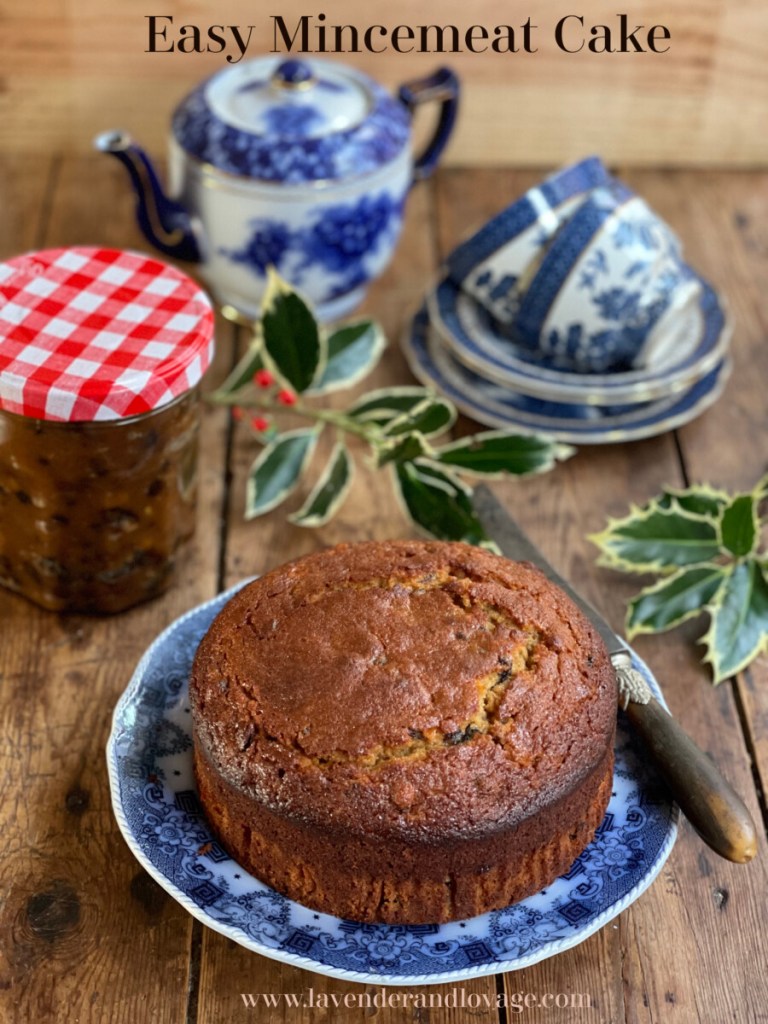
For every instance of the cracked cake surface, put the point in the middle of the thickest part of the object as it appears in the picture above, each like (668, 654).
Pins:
(428, 700)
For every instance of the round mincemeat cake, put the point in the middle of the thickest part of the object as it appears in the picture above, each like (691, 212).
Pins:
(403, 731)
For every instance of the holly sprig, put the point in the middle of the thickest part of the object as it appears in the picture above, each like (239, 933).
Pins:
(705, 547)
(292, 363)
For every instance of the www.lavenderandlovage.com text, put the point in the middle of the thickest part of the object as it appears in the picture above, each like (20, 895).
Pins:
(454, 998)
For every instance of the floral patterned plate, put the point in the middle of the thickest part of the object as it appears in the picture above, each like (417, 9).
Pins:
(149, 756)
(702, 339)
(496, 406)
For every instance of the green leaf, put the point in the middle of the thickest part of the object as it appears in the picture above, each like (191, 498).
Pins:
(495, 452)
(430, 416)
(404, 449)
(657, 540)
(700, 499)
(439, 503)
(243, 373)
(384, 404)
(330, 490)
(291, 336)
(739, 628)
(353, 351)
(739, 526)
(276, 472)
(673, 599)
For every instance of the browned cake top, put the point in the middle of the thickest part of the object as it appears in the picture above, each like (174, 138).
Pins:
(403, 687)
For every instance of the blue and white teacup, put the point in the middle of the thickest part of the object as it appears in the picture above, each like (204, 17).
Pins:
(607, 289)
(494, 264)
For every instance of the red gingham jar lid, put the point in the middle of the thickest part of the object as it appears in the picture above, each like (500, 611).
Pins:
(98, 334)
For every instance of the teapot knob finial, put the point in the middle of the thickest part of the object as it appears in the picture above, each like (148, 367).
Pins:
(293, 74)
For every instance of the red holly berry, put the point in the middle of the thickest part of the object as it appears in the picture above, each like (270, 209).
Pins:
(237, 412)
(286, 398)
(263, 378)
(260, 424)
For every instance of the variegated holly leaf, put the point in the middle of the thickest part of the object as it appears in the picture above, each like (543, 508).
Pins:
(495, 452)
(292, 339)
(250, 363)
(431, 416)
(330, 490)
(353, 351)
(710, 543)
(739, 527)
(439, 503)
(384, 404)
(403, 449)
(739, 628)
(700, 499)
(276, 471)
(674, 599)
(657, 540)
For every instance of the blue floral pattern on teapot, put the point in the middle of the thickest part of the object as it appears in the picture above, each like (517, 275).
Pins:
(343, 241)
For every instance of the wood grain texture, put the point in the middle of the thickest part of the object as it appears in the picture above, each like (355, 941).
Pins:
(725, 225)
(727, 216)
(76, 67)
(86, 935)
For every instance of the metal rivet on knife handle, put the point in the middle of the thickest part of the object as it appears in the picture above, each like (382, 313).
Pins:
(632, 685)
(710, 804)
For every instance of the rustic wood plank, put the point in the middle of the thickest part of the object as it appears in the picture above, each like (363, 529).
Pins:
(722, 219)
(370, 512)
(27, 185)
(723, 222)
(74, 69)
(649, 959)
(705, 897)
(87, 935)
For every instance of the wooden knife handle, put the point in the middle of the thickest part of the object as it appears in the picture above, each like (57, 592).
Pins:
(705, 798)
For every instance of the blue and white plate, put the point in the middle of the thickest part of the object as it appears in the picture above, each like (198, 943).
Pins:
(470, 332)
(149, 756)
(573, 423)
(540, 411)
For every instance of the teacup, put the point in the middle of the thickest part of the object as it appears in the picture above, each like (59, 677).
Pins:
(607, 289)
(495, 263)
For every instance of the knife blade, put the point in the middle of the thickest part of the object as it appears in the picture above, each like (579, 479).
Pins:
(709, 802)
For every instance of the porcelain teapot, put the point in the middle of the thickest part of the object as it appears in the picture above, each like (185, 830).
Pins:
(303, 165)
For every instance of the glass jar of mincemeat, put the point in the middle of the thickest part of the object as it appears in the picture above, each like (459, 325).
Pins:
(101, 356)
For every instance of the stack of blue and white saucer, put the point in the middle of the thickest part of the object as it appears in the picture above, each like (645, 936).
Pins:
(573, 314)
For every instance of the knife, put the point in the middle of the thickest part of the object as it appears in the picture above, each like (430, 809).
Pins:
(709, 803)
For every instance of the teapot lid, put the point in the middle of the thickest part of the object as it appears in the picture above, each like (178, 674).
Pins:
(292, 121)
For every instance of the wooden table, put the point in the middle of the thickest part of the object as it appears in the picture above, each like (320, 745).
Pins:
(87, 936)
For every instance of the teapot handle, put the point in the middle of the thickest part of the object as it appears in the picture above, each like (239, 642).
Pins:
(442, 86)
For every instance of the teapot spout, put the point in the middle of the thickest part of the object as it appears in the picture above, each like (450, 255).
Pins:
(164, 222)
